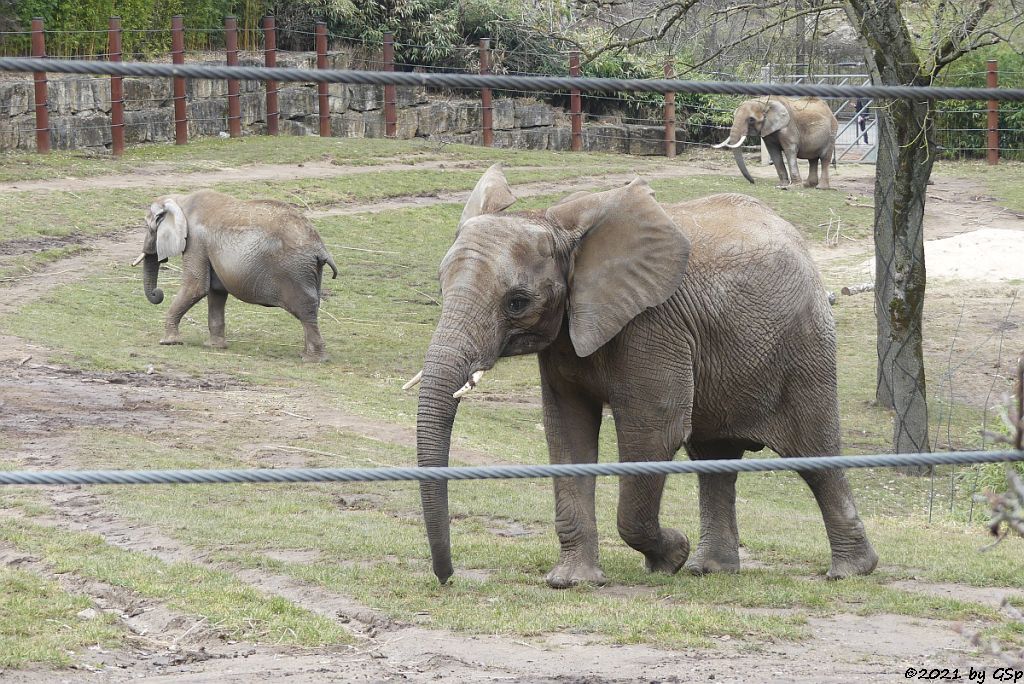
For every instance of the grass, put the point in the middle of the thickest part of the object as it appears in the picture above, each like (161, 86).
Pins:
(41, 624)
(377, 321)
(1005, 182)
(235, 609)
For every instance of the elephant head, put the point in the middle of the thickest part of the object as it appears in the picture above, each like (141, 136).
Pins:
(512, 283)
(754, 117)
(164, 239)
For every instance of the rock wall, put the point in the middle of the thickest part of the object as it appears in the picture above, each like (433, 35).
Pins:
(80, 114)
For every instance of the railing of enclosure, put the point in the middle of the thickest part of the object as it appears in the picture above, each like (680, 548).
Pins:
(646, 123)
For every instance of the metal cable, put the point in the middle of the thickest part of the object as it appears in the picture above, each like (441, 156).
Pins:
(476, 81)
(280, 475)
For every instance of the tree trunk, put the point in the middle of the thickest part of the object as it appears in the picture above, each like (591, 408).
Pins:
(906, 152)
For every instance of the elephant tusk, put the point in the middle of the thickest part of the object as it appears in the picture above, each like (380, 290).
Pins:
(738, 142)
(470, 384)
(139, 260)
(414, 381)
(721, 144)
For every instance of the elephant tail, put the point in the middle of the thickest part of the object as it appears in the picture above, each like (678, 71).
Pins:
(325, 258)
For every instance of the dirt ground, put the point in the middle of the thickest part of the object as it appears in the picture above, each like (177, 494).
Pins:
(41, 403)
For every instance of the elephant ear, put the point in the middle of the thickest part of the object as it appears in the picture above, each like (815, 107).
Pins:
(776, 117)
(630, 256)
(172, 231)
(491, 195)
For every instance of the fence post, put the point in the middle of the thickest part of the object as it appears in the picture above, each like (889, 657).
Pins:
(234, 105)
(116, 89)
(178, 57)
(42, 102)
(993, 114)
(390, 93)
(575, 109)
(270, 60)
(487, 111)
(670, 114)
(323, 100)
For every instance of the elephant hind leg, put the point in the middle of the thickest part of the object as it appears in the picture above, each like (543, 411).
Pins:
(826, 161)
(852, 553)
(304, 304)
(812, 175)
(216, 302)
(719, 546)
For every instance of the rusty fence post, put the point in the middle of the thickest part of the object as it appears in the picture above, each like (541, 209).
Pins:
(39, 78)
(116, 89)
(270, 60)
(993, 114)
(670, 114)
(390, 92)
(323, 100)
(575, 109)
(487, 111)
(178, 57)
(234, 105)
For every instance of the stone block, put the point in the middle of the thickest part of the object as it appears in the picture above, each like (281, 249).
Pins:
(338, 96)
(465, 117)
(348, 125)
(18, 133)
(80, 132)
(297, 103)
(150, 125)
(408, 96)
(366, 98)
(605, 139)
(80, 95)
(407, 123)
(373, 124)
(434, 119)
(207, 117)
(560, 138)
(646, 140)
(292, 127)
(533, 114)
(16, 98)
(146, 93)
(252, 108)
(503, 114)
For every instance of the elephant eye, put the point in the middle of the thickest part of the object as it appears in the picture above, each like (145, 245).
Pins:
(517, 302)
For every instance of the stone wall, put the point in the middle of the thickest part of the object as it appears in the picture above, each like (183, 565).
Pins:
(80, 114)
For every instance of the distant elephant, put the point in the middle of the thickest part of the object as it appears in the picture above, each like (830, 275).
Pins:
(262, 252)
(799, 128)
(703, 325)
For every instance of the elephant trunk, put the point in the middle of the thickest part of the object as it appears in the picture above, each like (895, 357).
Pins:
(150, 270)
(738, 154)
(453, 355)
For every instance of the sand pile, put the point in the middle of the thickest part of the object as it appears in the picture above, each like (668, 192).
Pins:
(989, 254)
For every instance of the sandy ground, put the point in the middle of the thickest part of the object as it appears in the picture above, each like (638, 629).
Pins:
(41, 403)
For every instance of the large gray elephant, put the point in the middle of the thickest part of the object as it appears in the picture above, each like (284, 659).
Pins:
(791, 128)
(262, 252)
(703, 325)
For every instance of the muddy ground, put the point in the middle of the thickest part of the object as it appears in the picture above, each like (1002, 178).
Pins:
(42, 403)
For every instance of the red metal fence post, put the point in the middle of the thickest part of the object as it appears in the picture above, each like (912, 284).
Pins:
(270, 60)
(670, 114)
(116, 89)
(321, 88)
(39, 77)
(178, 57)
(993, 114)
(390, 92)
(234, 105)
(575, 110)
(487, 118)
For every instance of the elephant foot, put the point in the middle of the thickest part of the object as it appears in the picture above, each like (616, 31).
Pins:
(217, 343)
(571, 574)
(671, 555)
(782, 186)
(824, 187)
(315, 357)
(859, 562)
(170, 339)
(704, 561)
(809, 184)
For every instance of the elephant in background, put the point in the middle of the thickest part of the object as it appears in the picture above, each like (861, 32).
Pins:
(791, 128)
(703, 325)
(262, 252)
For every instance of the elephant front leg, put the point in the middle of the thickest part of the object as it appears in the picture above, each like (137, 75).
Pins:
(775, 153)
(719, 546)
(572, 425)
(665, 550)
(216, 302)
(189, 294)
(794, 168)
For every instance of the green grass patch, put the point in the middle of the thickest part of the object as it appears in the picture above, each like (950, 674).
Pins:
(235, 609)
(1005, 181)
(40, 623)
